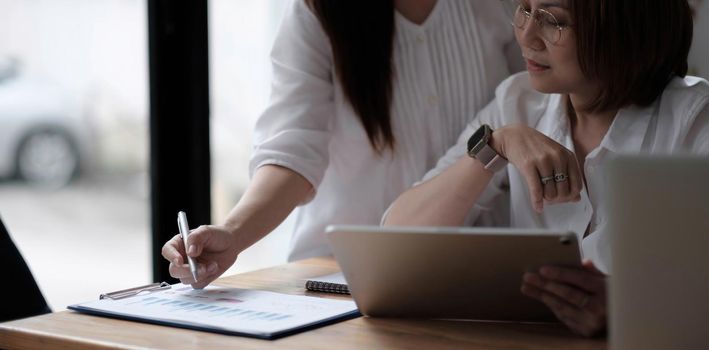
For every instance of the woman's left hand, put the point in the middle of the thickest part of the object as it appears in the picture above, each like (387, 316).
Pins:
(576, 296)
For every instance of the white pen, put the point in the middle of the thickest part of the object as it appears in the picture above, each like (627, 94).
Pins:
(184, 228)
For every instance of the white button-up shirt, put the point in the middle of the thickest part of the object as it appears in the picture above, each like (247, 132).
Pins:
(446, 70)
(676, 122)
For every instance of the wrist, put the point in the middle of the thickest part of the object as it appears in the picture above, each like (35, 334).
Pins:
(232, 229)
(496, 141)
(481, 148)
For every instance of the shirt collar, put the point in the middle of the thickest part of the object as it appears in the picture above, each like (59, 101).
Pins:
(625, 135)
(559, 128)
(628, 130)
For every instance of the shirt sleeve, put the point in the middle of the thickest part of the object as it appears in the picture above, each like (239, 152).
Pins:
(294, 131)
(698, 135)
(489, 208)
(515, 102)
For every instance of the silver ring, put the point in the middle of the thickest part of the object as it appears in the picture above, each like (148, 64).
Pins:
(560, 177)
(546, 179)
(584, 302)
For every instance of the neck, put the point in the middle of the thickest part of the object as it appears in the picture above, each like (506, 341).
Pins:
(587, 128)
(415, 11)
(588, 118)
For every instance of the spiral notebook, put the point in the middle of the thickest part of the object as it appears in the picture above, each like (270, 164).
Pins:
(333, 283)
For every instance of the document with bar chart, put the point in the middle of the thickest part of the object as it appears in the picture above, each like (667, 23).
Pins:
(244, 312)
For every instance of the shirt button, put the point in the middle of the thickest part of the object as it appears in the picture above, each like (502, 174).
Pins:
(432, 100)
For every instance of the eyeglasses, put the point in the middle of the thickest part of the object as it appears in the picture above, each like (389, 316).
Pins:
(549, 28)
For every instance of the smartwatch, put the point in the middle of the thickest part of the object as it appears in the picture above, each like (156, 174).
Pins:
(479, 148)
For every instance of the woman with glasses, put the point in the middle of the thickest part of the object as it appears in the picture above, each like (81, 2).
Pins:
(604, 77)
(366, 96)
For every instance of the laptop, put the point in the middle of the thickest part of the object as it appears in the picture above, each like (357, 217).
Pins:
(450, 273)
(659, 288)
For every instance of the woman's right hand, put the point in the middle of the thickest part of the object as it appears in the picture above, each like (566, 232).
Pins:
(214, 249)
(537, 156)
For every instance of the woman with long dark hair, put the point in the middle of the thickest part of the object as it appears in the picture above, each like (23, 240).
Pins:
(366, 96)
(604, 77)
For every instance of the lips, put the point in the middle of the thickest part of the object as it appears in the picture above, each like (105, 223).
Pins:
(534, 66)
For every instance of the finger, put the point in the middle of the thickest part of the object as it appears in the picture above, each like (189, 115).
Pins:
(562, 187)
(211, 273)
(569, 294)
(578, 321)
(184, 273)
(187, 280)
(536, 193)
(572, 296)
(575, 178)
(587, 281)
(180, 270)
(203, 282)
(173, 249)
(562, 309)
(531, 291)
(197, 239)
(591, 267)
(545, 168)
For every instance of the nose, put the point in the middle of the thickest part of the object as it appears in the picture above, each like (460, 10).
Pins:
(528, 36)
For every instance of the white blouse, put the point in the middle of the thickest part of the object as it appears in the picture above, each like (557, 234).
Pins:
(677, 122)
(446, 70)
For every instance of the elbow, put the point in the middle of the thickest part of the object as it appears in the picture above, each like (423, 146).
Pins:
(400, 212)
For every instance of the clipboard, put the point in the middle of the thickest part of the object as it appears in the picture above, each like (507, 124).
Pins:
(231, 311)
(130, 292)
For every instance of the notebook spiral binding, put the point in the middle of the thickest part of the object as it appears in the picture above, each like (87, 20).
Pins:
(327, 287)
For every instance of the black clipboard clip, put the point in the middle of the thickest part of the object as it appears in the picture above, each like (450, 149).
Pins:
(121, 294)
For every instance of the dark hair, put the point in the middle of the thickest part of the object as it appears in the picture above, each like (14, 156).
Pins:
(361, 34)
(633, 47)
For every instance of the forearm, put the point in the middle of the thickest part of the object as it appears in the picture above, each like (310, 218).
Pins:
(272, 194)
(444, 200)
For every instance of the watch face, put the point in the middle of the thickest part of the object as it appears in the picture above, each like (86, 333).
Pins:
(478, 140)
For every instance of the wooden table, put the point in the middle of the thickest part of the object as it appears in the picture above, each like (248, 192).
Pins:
(68, 329)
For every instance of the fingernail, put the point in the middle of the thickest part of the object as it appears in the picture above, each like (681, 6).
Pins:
(212, 268)
(547, 271)
(192, 250)
(531, 278)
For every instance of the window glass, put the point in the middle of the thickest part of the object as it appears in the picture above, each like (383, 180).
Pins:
(73, 143)
(241, 35)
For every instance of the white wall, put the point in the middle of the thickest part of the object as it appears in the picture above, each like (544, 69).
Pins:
(699, 55)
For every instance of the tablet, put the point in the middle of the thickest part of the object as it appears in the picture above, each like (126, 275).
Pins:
(448, 272)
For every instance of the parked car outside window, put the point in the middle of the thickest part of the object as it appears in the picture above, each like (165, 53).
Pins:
(43, 139)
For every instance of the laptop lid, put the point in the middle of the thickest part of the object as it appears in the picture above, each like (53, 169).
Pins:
(659, 222)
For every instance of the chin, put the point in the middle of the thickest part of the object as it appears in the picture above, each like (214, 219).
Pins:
(544, 84)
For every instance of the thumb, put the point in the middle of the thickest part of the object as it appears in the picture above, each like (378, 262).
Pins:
(197, 239)
(590, 266)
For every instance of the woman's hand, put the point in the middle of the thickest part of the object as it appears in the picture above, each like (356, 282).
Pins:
(272, 194)
(550, 170)
(214, 249)
(576, 296)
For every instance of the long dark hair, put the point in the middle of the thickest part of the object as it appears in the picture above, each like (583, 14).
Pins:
(361, 34)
